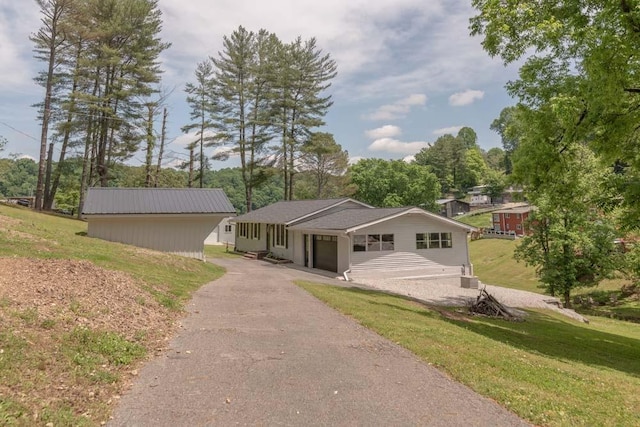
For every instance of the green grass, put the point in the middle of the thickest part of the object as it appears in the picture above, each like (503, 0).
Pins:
(476, 220)
(54, 372)
(549, 370)
(171, 279)
(493, 263)
(220, 251)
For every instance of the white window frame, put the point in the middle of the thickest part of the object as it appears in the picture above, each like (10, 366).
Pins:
(434, 240)
(378, 242)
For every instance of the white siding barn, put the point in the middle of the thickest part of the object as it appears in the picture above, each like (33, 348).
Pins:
(164, 219)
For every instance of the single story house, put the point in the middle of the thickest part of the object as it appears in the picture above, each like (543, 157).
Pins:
(223, 234)
(512, 220)
(348, 237)
(453, 207)
(175, 220)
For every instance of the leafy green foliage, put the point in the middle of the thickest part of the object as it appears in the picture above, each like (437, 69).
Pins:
(18, 177)
(456, 161)
(572, 243)
(391, 183)
(585, 68)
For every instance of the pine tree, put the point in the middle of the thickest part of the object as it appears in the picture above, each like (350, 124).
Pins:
(202, 100)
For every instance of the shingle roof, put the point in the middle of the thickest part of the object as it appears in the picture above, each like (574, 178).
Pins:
(348, 218)
(285, 212)
(113, 201)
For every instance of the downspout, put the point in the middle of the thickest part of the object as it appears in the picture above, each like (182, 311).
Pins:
(468, 256)
(348, 270)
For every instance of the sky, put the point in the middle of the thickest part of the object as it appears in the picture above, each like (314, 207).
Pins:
(408, 71)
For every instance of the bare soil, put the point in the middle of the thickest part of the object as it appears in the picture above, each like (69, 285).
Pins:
(43, 300)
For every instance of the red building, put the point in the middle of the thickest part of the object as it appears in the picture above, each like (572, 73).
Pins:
(511, 220)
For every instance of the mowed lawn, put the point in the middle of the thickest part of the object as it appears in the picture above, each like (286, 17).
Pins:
(549, 370)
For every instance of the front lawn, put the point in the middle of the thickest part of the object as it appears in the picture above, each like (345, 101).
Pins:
(549, 370)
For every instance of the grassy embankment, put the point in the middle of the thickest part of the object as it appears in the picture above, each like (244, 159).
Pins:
(56, 366)
(494, 264)
(549, 370)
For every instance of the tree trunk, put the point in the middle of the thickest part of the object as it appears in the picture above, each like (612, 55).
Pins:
(163, 137)
(150, 145)
(47, 180)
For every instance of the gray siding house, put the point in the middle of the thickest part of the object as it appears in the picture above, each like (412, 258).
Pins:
(165, 219)
(347, 236)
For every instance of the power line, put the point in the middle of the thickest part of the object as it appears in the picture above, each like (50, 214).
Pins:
(19, 131)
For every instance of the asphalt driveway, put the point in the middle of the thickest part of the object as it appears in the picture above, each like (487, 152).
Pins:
(257, 350)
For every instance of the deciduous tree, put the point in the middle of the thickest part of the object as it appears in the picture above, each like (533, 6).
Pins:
(391, 183)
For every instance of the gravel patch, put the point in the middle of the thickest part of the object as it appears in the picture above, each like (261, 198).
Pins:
(448, 292)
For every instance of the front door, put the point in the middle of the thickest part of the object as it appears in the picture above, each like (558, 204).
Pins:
(306, 250)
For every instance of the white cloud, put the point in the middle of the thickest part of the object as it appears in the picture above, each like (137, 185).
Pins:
(355, 159)
(394, 146)
(467, 97)
(409, 159)
(398, 109)
(26, 156)
(453, 130)
(386, 131)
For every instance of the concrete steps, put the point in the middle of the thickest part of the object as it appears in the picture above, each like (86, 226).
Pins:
(255, 255)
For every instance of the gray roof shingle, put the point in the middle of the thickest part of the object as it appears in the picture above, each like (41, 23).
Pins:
(285, 212)
(348, 218)
(113, 201)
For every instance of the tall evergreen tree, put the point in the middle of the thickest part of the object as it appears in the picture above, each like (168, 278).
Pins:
(201, 97)
(49, 41)
(304, 75)
(243, 82)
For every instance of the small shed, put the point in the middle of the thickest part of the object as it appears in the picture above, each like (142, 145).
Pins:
(175, 220)
(453, 207)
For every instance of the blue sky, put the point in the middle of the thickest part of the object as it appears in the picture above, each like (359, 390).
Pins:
(408, 71)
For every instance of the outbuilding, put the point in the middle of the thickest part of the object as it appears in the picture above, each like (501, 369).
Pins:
(347, 236)
(175, 220)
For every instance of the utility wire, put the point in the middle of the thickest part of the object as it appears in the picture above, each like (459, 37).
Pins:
(19, 131)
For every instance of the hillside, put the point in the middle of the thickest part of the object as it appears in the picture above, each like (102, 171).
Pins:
(79, 316)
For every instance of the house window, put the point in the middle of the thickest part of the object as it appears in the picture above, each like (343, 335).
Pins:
(507, 215)
(243, 230)
(227, 228)
(496, 217)
(255, 231)
(248, 230)
(387, 242)
(433, 240)
(373, 242)
(280, 236)
(518, 227)
(518, 216)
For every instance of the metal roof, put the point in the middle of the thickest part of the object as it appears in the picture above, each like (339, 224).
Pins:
(286, 212)
(352, 219)
(114, 201)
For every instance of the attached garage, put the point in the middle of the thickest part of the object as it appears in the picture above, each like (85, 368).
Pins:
(165, 219)
(325, 252)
